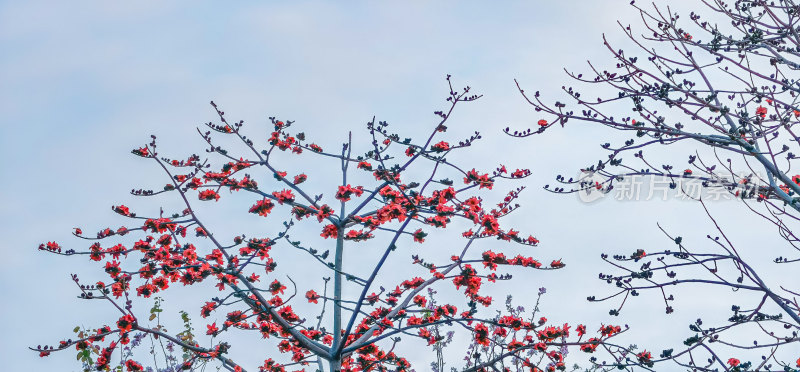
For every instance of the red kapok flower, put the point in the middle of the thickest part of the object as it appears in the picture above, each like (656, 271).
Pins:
(345, 192)
(212, 329)
(542, 123)
(419, 236)
(207, 308)
(761, 111)
(482, 334)
(645, 358)
(276, 287)
(312, 296)
(262, 207)
(364, 165)
(591, 345)
(441, 146)
(125, 323)
(329, 231)
(142, 151)
(733, 362)
(133, 366)
(123, 210)
(208, 195)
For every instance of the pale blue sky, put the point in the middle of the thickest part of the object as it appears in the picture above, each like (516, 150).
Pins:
(81, 83)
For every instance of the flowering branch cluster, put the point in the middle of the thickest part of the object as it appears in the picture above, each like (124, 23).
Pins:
(182, 249)
(729, 90)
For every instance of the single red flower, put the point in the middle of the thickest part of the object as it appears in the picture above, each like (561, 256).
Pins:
(207, 308)
(441, 146)
(364, 165)
(419, 236)
(126, 322)
(645, 358)
(590, 345)
(212, 329)
(276, 287)
(761, 111)
(123, 210)
(482, 334)
(312, 296)
(142, 151)
(133, 366)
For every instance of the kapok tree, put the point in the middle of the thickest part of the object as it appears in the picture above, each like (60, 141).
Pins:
(723, 85)
(390, 197)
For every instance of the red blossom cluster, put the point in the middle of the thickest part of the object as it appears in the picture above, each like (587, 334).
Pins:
(392, 210)
(482, 180)
(262, 207)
